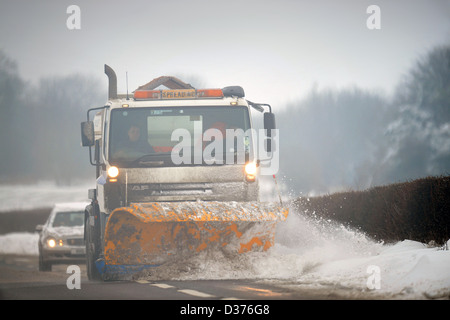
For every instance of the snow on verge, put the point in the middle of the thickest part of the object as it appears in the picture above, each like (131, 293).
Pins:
(19, 243)
(333, 255)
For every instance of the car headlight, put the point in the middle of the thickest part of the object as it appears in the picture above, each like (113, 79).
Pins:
(51, 242)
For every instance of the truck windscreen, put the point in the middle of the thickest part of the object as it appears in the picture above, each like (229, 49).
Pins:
(169, 136)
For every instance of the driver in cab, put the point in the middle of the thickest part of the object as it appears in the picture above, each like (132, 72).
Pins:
(133, 146)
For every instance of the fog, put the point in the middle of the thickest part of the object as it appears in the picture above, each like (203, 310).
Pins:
(355, 139)
(40, 126)
(355, 107)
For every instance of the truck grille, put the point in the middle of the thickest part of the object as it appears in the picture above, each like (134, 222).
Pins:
(160, 189)
(225, 191)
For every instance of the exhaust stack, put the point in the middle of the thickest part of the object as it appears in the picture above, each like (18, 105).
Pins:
(112, 85)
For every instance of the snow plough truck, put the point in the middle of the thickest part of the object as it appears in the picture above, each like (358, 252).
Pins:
(177, 172)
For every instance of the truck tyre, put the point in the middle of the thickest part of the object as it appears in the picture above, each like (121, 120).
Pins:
(91, 253)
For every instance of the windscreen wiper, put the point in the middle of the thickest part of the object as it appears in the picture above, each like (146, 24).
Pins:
(148, 160)
(151, 163)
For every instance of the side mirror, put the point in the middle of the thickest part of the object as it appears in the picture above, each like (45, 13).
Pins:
(269, 122)
(269, 125)
(87, 134)
(39, 228)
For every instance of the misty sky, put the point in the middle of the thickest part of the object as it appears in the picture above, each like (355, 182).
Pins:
(276, 50)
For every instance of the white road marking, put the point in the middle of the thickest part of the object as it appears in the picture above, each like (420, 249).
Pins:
(162, 285)
(142, 281)
(185, 291)
(196, 293)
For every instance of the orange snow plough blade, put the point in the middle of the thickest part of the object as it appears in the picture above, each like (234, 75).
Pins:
(151, 234)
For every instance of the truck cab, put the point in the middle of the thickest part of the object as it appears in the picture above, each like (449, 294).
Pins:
(174, 145)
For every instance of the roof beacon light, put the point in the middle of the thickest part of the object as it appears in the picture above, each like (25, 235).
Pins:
(210, 93)
(177, 94)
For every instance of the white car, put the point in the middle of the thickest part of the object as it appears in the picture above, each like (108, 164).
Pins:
(61, 238)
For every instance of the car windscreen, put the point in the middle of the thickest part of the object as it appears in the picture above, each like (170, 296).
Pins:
(68, 219)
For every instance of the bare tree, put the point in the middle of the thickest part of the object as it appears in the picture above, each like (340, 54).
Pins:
(40, 125)
(13, 141)
(421, 130)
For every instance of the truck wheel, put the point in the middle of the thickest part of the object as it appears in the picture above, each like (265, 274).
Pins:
(91, 253)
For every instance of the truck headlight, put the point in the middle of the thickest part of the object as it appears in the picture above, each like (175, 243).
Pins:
(250, 168)
(250, 171)
(113, 172)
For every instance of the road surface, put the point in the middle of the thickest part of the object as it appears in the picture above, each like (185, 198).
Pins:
(20, 279)
(270, 299)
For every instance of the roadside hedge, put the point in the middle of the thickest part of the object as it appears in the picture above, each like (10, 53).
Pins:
(415, 210)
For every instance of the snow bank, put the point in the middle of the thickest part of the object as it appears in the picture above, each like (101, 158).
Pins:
(19, 243)
(409, 267)
(332, 255)
(405, 270)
